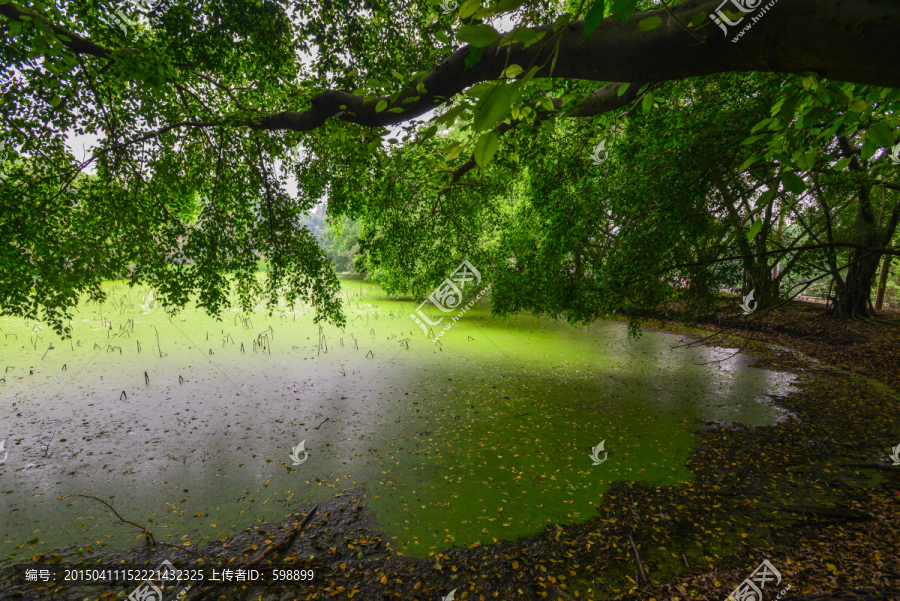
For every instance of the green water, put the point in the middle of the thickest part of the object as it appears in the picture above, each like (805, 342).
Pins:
(484, 436)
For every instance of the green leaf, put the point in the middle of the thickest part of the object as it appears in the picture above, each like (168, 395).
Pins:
(647, 102)
(766, 197)
(429, 132)
(753, 139)
(485, 148)
(480, 90)
(788, 106)
(594, 17)
(858, 106)
(622, 9)
(880, 134)
(623, 88)
(783, 158)
(793, 182)
(478, 36)
(650, 23)
(807, 160)
(760, 125)
(450, 116)
(747, 163)
(868, 150)
(512, 71)
(528, 76)
(842, 164)
(382, 104)
(524, 35)
(453, 150)
(503, 6)
(754, 229)
(507, 5)
(698, 19)
(561, 21)
(474, 57)
(492, 108)
(441, 36)
(468, 8)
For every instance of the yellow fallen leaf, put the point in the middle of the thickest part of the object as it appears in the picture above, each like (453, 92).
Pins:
(383, 579)
(831, 567)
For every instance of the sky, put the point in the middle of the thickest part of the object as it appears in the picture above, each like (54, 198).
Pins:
(81, 145)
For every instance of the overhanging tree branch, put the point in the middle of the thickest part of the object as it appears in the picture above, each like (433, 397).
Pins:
(821, 36)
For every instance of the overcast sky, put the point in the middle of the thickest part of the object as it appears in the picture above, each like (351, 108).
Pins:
(82, 146)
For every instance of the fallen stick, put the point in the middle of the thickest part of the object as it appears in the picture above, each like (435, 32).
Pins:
(638, 557)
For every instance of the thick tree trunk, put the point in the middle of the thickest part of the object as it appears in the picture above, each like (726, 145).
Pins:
(759, 279)
(882, 281)
(854, 295)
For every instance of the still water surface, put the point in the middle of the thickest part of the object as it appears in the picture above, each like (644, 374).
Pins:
(484, 436)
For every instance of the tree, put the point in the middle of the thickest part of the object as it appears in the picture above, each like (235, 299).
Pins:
(203, 102)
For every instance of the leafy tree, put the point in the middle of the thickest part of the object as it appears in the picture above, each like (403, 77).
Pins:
(199, 105)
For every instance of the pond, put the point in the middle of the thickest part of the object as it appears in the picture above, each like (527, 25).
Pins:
(188, 424)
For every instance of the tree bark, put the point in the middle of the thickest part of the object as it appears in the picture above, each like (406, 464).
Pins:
(882, 282)
(844, 40)
(854, 293)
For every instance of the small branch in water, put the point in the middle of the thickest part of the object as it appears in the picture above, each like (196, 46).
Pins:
(48, 443)
(157, 342)
(146, 379)
(123, 396)
(370, 353)
(146, 532)
(51, 347)
(320, 425)
(180, 380)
